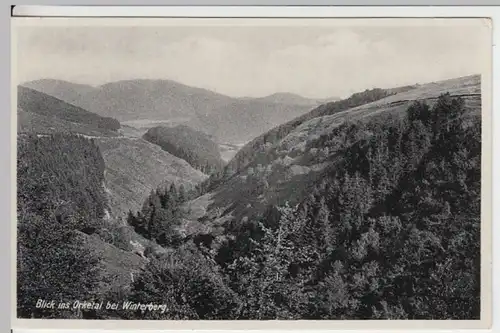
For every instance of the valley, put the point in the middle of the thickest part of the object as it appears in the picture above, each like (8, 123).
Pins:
(183, 185)
(147, 103)
(229, 150)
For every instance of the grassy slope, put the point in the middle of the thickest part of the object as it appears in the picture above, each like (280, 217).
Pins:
(134, 167)
(118, 264)
(29, 122)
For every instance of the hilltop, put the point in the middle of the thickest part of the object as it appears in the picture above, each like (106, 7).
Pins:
(66, 91)
(135, 166)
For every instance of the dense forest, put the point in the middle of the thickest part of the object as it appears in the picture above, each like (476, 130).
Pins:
(193, 146)
(161, 214)
(391, 230)
(60, 200)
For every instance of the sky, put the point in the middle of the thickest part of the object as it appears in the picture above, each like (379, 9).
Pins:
(316, 60)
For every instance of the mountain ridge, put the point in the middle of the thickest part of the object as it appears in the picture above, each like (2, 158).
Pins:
(163, 100)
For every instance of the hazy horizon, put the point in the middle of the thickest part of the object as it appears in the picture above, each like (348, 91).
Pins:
(316, 62)
(267, 95)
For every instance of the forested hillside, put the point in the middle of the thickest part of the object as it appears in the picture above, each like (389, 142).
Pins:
(30, 122)
(161, 214)
(135, 166)
(148, 102)
(60, 200)
(195, 147)
(389, 231)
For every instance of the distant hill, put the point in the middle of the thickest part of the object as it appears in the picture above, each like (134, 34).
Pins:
(29, 122)
(243, 120)
(143, 102)
(193, 146)
(66, 91)
(150, 99)
(294, 99)
(33, 101)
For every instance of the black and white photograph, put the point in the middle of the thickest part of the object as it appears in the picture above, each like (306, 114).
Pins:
(250, 169)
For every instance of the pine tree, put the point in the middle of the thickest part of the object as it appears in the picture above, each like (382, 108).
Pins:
(182, 193)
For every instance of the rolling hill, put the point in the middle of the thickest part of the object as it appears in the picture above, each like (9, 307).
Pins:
(195, 147)
(242, 120)
(63, 90)
(150, 99)
(282, 164)
(150, 103)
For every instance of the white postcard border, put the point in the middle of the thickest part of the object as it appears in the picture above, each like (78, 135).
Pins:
(299, 14)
